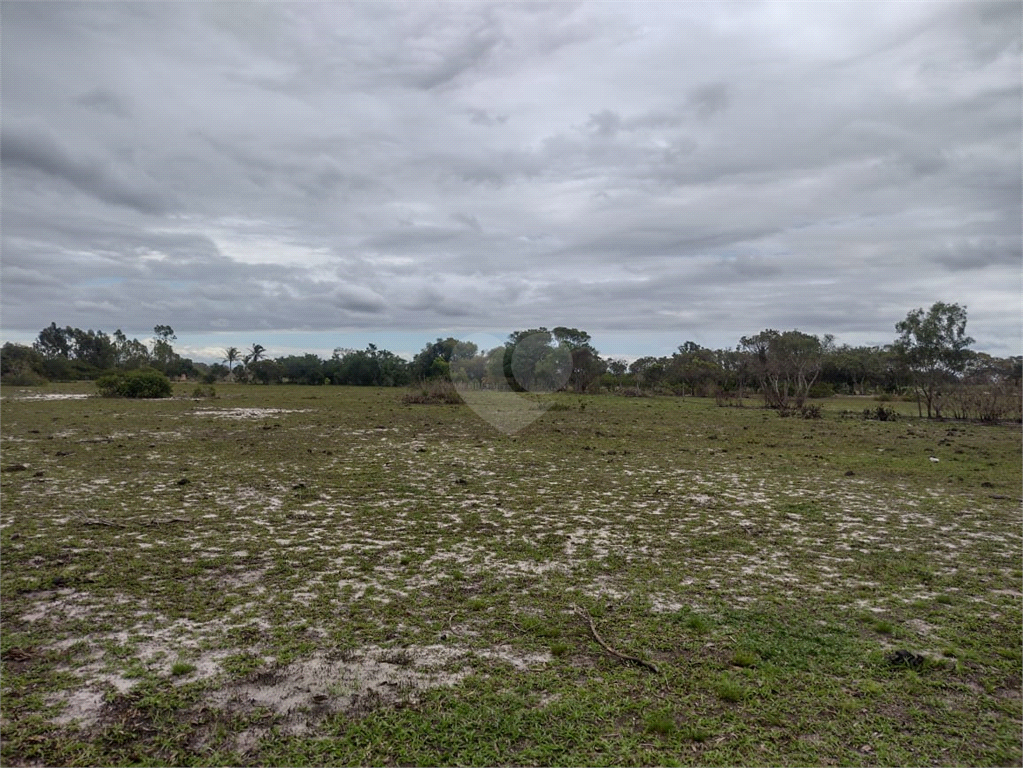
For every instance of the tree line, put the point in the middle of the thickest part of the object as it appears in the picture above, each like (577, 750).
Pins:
(929, 359)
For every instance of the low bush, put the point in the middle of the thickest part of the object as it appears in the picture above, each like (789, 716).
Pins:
(433, 393)
(204, 391)
(822, 389)
(811, 412)
(880, 413)
(25, 377)
(141, 383)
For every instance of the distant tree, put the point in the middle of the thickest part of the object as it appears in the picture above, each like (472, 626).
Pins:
(696, 367)
(586, 362)
(648, 371)
(786, 364)
(435, 359)
(163, 355)
(93, 349)
(533, 362)
(21, 365)
(934, 346)
(265, 371)
(129, 353)
(256, 353)
(231, 356)
(54, 342)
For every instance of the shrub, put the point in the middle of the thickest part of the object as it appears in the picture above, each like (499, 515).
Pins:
(811, 412)
(24, 377)
(880, 413)
(141, 383)
(822, 389)
(202, 391)
(433, 393)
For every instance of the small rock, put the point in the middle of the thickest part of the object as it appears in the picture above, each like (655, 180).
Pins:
(14, 468)
(850, 473)
(184, 481)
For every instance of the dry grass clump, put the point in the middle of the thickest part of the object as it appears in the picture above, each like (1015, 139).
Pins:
(432, 393)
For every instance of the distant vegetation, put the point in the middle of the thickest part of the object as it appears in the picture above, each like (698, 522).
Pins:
(929, 362)
(144, 382)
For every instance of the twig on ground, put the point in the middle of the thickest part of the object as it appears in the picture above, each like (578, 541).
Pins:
(612, 651)
(113, 524)
(513, 624)
(100, 521)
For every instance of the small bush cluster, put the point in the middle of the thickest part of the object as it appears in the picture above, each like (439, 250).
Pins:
(24, 377)
(990, 403)
(143, 383)
(204, 391)
(880, 413)
(804, 412)
(433, 393)
(633, 392)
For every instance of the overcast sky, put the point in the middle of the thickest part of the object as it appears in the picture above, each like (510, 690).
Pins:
(321, 174)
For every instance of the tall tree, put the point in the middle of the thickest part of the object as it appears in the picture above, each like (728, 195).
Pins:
(231, 356)
(54, 342)
(163, 352)
(934, 346)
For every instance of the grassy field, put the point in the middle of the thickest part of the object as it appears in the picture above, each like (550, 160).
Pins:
(288, 575)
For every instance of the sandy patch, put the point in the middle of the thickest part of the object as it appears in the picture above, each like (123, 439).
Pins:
(247, 413)
(50, 396)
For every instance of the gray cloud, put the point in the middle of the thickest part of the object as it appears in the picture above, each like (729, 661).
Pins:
(38, 150)
(652, 168)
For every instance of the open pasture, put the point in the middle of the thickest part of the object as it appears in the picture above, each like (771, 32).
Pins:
(323, 575)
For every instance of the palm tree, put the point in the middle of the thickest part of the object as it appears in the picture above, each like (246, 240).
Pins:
(256, 353)
(231, 357)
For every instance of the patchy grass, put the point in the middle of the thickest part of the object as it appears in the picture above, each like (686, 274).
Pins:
(296, 575)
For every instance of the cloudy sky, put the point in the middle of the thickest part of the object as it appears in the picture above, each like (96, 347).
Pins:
(316, 175)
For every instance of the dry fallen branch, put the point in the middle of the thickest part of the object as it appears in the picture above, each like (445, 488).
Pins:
(100, 521)
(612, 651)
(113, 524)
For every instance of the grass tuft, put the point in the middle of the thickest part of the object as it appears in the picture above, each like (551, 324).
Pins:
(180, 668)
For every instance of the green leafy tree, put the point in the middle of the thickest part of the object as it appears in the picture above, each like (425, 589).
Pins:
(129, 353)
(21, 365)
(163, 355)
(934, 347)
(587, 365)
(54, 342)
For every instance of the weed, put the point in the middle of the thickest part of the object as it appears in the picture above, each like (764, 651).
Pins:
(698, 624)
(744, 658)
(560, 648)
(180, 668)
(729, 690)
(661, 723)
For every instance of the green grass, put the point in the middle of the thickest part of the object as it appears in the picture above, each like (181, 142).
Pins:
(341, 579)
(182, 668)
